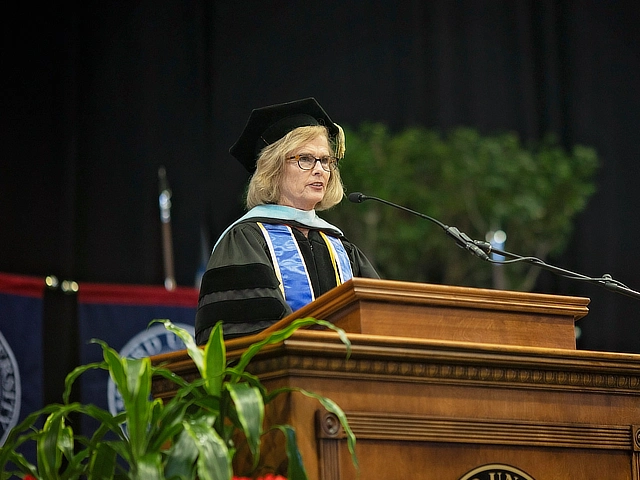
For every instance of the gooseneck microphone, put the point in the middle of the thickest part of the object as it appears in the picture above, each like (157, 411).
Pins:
(461, 238)
(481, 249)
(357, 197)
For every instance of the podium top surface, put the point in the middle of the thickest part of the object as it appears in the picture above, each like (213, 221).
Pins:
(445, 312)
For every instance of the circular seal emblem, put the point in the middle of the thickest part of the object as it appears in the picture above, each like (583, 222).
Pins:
(152, 341)
(496, 471)
(10, 392)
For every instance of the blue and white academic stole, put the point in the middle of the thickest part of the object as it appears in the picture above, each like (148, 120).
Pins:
(290, 268)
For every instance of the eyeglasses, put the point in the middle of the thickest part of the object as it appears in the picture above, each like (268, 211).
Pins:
(307, 161)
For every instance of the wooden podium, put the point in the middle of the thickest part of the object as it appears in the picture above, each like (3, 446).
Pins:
(451, 383)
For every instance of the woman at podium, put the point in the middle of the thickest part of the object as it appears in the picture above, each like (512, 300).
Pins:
(280, 255)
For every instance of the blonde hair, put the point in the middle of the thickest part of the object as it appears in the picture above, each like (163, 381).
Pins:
(264, 186)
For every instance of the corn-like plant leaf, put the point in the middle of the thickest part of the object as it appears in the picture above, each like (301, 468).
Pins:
(52, 431)
(76, 465)
(103, 462)
(208, 404)
(250, 410)
(166, 422)
(19, 461)
(249, 378)
(137, 404)
(214, 461)
(169, 375)
(295, 469)
(194, 351)
(333, 407)
(215, 361)
(71, 377)
(48, 456)
(210, 361)
(114, 365)
(149, 467)
(188, 437)
(281, 335)
(132, 377)
(108, 422)
(181, 458)
(17, 438)
(66, 442)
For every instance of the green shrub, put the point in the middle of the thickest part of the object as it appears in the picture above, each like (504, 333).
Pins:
(477, 183)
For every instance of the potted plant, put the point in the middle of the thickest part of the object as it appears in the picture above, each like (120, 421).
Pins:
(192, 435)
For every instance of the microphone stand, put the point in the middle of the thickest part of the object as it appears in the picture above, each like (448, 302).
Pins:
(606, 281)
(461, 238)
(484, 249)
(164, 200)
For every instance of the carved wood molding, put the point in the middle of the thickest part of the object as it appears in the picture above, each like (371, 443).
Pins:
(321, 354)
(414, 428)
(437, 370)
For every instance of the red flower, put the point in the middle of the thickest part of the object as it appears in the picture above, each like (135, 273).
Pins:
(28, 476)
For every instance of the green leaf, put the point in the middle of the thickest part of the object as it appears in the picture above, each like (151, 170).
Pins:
(333, 407)
(214, 461)
(167, 423)
(190, 436)
(181, 457)
(136, 402)
(114, 365)
(169, 375)
(295, 469)
(281, 335)
(48, 455)
(149, 467)
(76, 465)
(132, 377)
(215, 361)
(103, 462)
(250, 409)
(108, 422)
(66, 442)
(194, 351)
(17, 438)
(72, 377)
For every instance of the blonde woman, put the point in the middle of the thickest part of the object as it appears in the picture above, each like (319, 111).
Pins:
(281, 255)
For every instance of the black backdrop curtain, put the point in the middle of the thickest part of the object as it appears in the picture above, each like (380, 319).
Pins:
(97, 96)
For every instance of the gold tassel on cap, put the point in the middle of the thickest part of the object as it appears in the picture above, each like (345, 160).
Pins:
(341, 143)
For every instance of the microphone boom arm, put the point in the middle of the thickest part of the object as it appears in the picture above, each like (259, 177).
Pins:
(606, 281)
(461, 238)
(484, 249)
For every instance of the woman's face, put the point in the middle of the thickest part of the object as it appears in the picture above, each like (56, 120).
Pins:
(304, 189)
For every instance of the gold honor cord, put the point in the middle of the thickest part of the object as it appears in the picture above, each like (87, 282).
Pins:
(334, 259)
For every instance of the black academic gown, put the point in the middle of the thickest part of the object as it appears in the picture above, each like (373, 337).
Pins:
(240, 287)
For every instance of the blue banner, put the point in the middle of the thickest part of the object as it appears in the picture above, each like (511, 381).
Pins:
(120, 316)
(21, 360)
